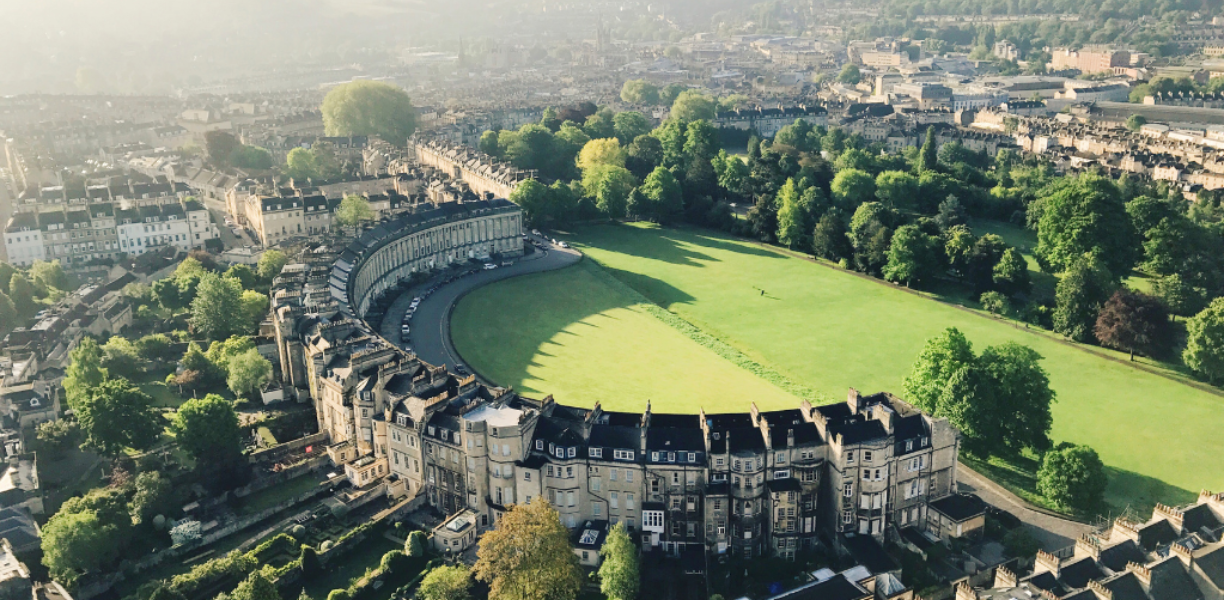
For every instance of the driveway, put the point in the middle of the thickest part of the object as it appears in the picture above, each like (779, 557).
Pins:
(430, 338)
(1054, 533)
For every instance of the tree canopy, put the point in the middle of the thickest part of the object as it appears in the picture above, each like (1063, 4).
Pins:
(619, 574)
(116, 415)
(528, 556)
(369, 108)
(1072, 477)
(446, 583)
(354, 210)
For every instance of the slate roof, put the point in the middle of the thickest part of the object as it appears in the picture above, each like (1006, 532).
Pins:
(960, 507)
(1077, 573)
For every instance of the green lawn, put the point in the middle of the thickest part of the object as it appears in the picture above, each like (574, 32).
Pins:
(826, 329)
(570, 334)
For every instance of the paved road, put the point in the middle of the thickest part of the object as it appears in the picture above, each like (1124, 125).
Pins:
(1054, 533)
(430, 337)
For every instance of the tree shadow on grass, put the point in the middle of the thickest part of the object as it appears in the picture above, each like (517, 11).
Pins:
(1140, 493)
(640, 242)
(502, 330)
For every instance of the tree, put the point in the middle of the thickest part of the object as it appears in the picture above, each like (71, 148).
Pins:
(532, 197)
(251, 157)
(643, 155)
(217, 305)
(618, 575)
(354, 210)
(692, 105)
(84, 372)
(257, 586)
(1079, 296)
(732, 173)
(416, 544)
(601, 152)
(244, 274)
(850, 74)
(1021, 388)
(1087, 216)
(154, 495)
(1134, 322)
(897, 189)
(21, 292)
(851, 188)
(1011, 275)
(829, 239)
(913, 256)
(640, 91)
(300, 165)
(120, 357)
(6, 273)
(995, 303)
(195, 361)
(928, 157)
(1182, 297)
(446, 583)
(1204, 352)
(1135, 122)
(8, 314)
(489, 143)
(600, 125)
(49, 275)
(792, 216)
(220, 146)
(1072, 477)
(58, 435)
(968, 401)
(207, 429)
(76, 542)
(117, 415)
(270, 264)
(249, 374)
(940, 358)
(629, 125)
(663, 195)
(310, 561)
(528, 556)
(610, 186)
(369, 108)
(254, 309)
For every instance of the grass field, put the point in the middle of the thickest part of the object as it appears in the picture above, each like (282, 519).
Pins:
(820, 327)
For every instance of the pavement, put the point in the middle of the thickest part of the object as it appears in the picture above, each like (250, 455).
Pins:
(430, 338)
(1054, 533)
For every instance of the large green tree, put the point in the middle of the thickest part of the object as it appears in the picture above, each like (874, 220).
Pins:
(793, 218)
(354, 210)
(663, 194)
(1086, 216)
(270, 264)
(49, 274)
(21, 291)
(257, 586)
(84, 372)
(207, 429)
(609, 186)
(851, 188)
(117, 415)
(528, 556)
(897, 189)
(532, 197)
(1011, 275)
(153, 495)
(1072, 477)
(1079, 296)
(87, 533)
(1204, 352)
(217, 308)
(942, 356)
(369, 108)
(619, 574)
(913, 256)
(692, 105)
(629, 125)
(249, 374)
(640, 91)
(446, 583)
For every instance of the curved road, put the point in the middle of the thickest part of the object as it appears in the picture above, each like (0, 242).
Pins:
(430, 338)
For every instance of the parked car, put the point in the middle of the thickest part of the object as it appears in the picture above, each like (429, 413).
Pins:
(490, 267)
(563, 245)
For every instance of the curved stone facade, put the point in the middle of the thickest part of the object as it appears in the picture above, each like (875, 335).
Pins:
(394, 250)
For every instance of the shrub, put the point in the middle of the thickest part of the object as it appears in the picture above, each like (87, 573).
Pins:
(995, 303)
(416, 545)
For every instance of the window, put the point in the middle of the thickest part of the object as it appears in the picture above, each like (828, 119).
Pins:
(596, 484)
(596, 509)
(719, 462)
(675, 478)
(909, 445)
(735, 464)
(628, 476)
(783, 474)
(569, 498)
(629, 502)
(539, 444)
(526, 475)
(614, 500)
(866, 456)
(550, 471)
(505, 449)
(654, 457)
(595, 452)
(622, 454)
(781, 459)
(612, 475)
(692, 457)
(571, 452)
(569, 471)
(850, 456)
(849, 491)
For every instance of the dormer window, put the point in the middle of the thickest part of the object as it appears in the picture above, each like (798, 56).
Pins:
(571, 452)
(539, 444)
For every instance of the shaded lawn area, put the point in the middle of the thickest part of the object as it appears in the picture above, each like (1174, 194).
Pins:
(824, 328)
(569, 334)
(267, 498)
(340, 573)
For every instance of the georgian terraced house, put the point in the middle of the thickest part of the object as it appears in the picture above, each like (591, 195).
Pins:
(752, 484)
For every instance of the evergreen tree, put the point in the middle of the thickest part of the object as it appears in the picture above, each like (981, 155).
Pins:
(618, 575)
(928, 157)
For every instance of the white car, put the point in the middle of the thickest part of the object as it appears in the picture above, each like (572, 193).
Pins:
(563, 245)
(490, 267)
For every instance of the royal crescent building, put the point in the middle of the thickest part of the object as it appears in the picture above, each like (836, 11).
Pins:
(752, 484)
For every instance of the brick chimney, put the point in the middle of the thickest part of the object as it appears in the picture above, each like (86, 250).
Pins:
(1087, 546)
(853, 400)
(1170, 514)
(964, 591)
(1123, 530)
(1101, 591)
(1183, 553)
(1141, 572)
(1047, 562)
(1004, 578)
